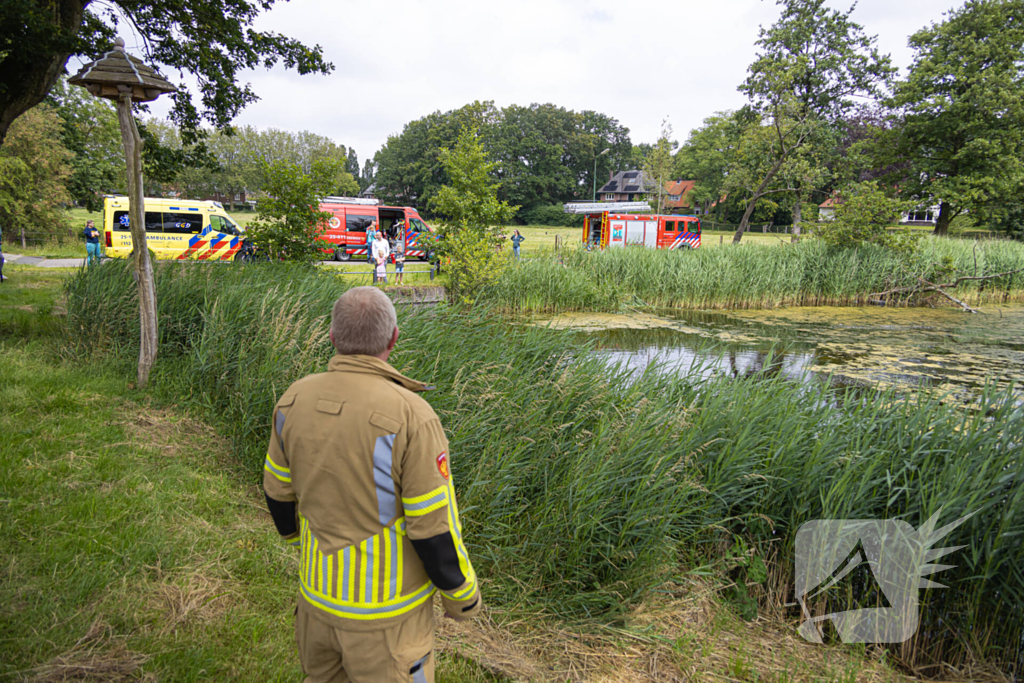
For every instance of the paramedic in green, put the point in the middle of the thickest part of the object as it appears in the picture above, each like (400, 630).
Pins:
(92, 243)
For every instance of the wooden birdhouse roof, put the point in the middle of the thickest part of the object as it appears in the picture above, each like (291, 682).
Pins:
(118, 72)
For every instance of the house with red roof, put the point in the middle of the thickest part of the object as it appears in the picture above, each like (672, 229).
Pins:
(632, 186)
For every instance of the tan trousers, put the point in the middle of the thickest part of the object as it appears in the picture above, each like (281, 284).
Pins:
(400, 654)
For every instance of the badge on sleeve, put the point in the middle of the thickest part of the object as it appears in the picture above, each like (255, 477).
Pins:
(442, 464)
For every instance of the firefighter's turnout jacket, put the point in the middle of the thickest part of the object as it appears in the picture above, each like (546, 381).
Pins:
(357, 475)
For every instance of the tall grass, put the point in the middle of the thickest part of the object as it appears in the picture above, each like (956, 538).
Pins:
(809, 273)
(583, 487)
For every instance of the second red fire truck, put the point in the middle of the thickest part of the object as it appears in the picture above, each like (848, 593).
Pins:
(620, 224)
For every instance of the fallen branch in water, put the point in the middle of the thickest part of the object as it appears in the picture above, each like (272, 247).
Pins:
(925, 286)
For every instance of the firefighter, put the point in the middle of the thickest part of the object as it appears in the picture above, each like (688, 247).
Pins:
(357, 477)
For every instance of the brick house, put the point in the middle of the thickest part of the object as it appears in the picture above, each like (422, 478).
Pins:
(631, 186)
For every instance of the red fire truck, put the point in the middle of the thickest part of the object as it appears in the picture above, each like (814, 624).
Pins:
(351, 216)
(618, 224)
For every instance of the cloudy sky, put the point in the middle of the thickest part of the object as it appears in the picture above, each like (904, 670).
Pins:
(639, 61)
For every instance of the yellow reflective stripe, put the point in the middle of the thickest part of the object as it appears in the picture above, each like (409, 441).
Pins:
(375, 582)
(318, 576)
(400, 527)
(362, 572)
(455, 528)
(282, 473)
(350, 567)
(388, 552)
(464, 594)
(363, 612)
(297, 542)
(428, 502)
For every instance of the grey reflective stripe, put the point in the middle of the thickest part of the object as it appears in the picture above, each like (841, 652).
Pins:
(418, 674)
(279, 424)
(346, 556)
(395, 550)
(382, 478)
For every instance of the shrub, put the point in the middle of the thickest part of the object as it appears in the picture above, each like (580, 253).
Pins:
(553, 215)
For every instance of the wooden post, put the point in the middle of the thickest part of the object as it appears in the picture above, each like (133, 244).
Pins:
(136, 224)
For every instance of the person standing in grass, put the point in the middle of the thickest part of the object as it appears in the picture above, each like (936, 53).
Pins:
(517, 239)
(357, 477)
(371, 235)
(399, 261)
(92, 243)
(2, 278)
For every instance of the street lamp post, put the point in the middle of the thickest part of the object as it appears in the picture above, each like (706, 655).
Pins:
(119, 76)
(594, 198)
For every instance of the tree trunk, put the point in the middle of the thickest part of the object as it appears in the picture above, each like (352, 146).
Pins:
(28, 71)
(945, 216)
(745, 221)
(143, 265)
(797, 216)
(23, 246)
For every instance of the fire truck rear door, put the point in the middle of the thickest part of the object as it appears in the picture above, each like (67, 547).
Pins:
(651, 234)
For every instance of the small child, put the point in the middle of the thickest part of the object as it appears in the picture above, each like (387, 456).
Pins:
(399, 262)
(382, 271)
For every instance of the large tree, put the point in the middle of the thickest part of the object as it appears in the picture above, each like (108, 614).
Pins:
(810, 65)
(543, 154)
(709, 155)
(658, 165)
(91, 132)
(408, 168)
(34, 171)
(962, 111)
(211, 39)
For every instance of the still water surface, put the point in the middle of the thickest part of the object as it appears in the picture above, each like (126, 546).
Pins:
(941, 349)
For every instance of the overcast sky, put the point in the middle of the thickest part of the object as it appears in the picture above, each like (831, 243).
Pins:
(638, 61)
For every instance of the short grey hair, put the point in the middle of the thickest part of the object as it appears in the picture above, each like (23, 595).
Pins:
(363, 321)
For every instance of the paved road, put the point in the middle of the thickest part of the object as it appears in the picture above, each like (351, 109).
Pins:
(44, 262)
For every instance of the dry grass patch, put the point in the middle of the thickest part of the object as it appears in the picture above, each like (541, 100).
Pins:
(171, 433)
(195, 598)
(665, 640)
(98, 656)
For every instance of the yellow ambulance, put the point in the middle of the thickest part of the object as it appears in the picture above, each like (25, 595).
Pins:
(175, 229)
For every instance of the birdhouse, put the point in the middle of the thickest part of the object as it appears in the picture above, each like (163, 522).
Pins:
(117, 72)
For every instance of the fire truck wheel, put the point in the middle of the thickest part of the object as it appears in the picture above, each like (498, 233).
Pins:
(341, 254)
(429, 257)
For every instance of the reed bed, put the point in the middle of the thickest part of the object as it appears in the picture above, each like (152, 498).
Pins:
(584, 488)
(809, 273)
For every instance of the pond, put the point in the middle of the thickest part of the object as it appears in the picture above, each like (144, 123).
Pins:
(943, 349)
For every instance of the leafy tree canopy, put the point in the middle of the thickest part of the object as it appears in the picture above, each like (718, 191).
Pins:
(289, 221)
(212, 40)
(92, 134)
(863, 212)
(962, 105)
(470, 233)
(34, 171)
(240, 157)
(542, 154)
(810, 64)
